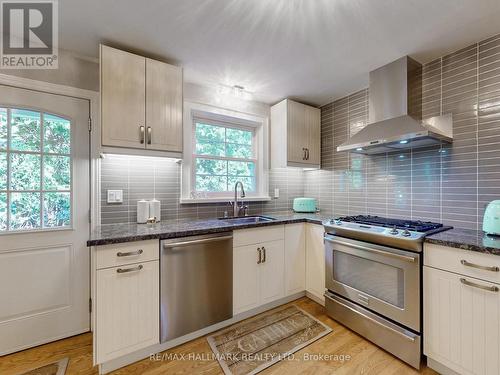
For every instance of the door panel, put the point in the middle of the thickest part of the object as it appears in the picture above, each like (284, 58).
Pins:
(461, 323)
(315, 261)
(295, 258)
(246, 282)
(163, 106)
(44, 274)
(127, 310)
(313, 124)
(272, 272)
(123, 98)
(297, 132)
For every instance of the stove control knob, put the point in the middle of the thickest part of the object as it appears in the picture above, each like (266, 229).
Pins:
(394, 231)
(406, 233)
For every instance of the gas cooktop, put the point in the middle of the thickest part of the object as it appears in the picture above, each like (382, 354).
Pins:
(414, 225)
(400, 233)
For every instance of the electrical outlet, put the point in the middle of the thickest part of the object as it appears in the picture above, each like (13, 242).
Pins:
(115, 196)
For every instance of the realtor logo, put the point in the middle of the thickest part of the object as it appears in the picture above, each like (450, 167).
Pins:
(29, 35)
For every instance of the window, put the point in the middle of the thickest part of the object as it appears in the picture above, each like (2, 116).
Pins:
(222, 156)
(222, 147)
(35, 170)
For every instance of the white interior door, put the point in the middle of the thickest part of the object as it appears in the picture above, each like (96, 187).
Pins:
(44, 211)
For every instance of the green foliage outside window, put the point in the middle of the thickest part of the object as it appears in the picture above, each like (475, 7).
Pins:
(223, 156)
(35, 170)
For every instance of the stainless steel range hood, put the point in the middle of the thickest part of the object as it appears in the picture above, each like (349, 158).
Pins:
(395, 113)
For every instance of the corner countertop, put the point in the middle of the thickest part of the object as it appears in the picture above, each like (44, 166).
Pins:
(119, 233)
(467, 239)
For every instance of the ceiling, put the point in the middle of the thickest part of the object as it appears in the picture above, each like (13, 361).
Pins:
(311, 50)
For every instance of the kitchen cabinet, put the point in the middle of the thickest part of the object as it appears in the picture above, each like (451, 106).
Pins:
(295, 258)
(461, 312)
(126, 299)
(315, 261)
(295, 135)
(141, 102)
(258, 267)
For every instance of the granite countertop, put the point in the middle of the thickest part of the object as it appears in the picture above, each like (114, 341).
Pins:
(119, 233)
(467, 239)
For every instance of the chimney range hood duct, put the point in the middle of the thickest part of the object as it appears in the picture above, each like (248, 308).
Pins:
(395, 113)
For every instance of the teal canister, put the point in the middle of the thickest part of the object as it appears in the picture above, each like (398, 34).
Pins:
(304, 205)
(491, 220)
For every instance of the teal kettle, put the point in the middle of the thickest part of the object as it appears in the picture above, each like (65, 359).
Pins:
(491, 220)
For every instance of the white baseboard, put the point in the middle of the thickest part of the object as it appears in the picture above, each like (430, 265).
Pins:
(117, 363)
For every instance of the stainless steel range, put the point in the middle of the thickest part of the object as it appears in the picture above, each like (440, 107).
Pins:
(373, 277)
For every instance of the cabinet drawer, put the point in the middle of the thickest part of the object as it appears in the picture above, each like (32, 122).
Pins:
(257, 235)
(464, 262)
(127, 253)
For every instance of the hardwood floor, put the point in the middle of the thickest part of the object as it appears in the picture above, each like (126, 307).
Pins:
(365, 358)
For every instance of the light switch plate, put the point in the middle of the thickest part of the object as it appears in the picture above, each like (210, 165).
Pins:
(115, 196)
(276, 193)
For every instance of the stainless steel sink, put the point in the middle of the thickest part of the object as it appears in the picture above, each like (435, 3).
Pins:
(248, 219)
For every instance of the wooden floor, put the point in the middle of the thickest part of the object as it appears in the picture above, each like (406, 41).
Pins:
(366, 358)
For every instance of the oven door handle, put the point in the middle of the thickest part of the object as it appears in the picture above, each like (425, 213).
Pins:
(406, 258)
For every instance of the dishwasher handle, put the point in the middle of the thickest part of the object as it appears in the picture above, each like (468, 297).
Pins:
(169, 245)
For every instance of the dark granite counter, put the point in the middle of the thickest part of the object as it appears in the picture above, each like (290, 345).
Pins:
(467, 239)
(118, 233)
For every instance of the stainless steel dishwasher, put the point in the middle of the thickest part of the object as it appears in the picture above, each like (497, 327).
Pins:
(196, 283)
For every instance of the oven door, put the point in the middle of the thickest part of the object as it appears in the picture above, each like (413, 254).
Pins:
(383, 279)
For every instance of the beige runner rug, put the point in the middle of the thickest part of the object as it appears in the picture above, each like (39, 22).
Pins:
(255, 344)
(55, 368)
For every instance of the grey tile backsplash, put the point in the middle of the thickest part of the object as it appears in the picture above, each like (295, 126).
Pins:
(153, 177)
(449, 183)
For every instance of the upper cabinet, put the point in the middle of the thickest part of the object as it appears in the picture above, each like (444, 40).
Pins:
(295, 135)
(141, 102)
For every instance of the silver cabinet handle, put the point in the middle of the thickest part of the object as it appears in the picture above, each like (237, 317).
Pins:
(307, 154)
(125, 270)
(485, 268)
(130, 253)
(260, 256)
(489, 288)
(264, 250)
(149, 134)
(141, 134)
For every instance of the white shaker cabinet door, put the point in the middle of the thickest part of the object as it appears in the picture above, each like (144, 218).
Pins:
(163, 106)
(272, 271)
(123, 98)
(295, 258)
(461, 322)
(127, 309)
(315, 261)
(246, 283)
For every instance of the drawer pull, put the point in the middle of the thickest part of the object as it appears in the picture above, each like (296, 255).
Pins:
(260, 256)
(264, 251)
(485, 268)
(125, 270)
(480, 286)
(130, 253)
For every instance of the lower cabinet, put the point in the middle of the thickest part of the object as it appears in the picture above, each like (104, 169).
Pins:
(258, 272)
(315, 261)
(295, 258)
(127, 302)
(461, 312)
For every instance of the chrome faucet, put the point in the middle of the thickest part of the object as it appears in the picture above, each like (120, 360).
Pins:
(236, 208)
